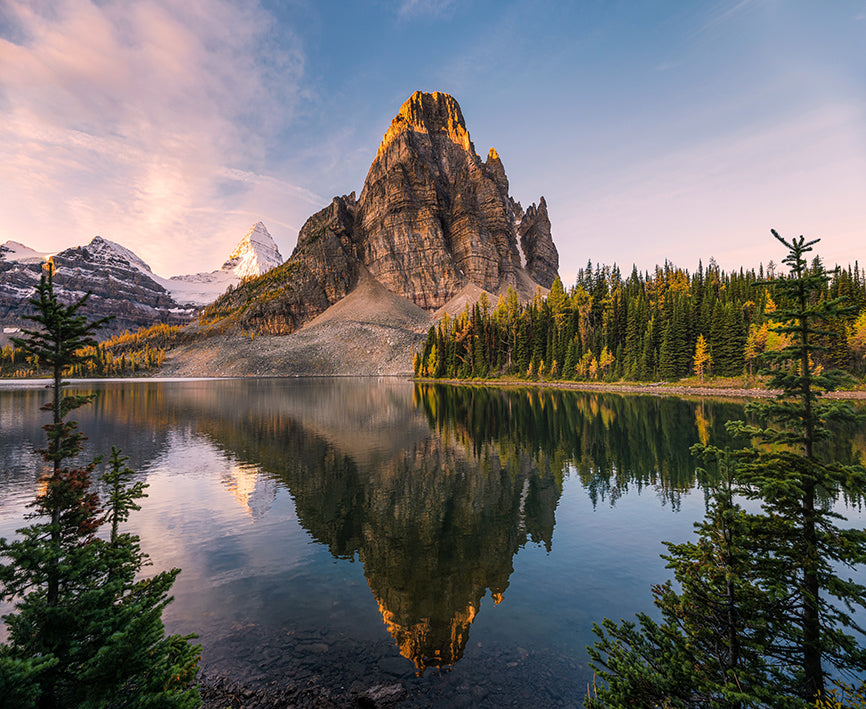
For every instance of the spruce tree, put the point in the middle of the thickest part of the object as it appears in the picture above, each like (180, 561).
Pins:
(718, 339)
(793, 484)
(674, 352)
(735, 341)
(83, 632)
(763, 613)
(707, 650)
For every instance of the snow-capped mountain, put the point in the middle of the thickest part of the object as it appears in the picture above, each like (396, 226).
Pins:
(255, 254)
(122, 284)
(113, 253)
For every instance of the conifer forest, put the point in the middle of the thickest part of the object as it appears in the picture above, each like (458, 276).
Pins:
(661, 325)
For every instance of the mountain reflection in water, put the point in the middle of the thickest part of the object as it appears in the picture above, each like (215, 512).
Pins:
(434, 522)
(435, 489)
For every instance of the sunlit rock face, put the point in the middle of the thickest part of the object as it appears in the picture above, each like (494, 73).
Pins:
(431, 219)
(433, 215)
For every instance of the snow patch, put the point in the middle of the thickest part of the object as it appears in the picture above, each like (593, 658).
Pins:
(15, 251)
(198, 288)
(519, 246)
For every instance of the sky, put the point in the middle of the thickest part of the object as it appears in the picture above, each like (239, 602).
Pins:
(655, 131)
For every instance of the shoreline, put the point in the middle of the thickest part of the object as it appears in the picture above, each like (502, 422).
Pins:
(648, 389)
(651, 389)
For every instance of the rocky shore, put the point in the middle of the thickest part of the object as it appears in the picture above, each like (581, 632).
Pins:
(326, 669)
(221, 692)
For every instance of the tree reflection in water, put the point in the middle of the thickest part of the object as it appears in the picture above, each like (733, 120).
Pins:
(434, 488)
(437, 520)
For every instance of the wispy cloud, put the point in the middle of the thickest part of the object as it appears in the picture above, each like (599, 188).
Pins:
(124, 118)
(721, 196)
(413, 9)
(726, 11)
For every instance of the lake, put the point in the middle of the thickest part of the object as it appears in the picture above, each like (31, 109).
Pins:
(460, 540)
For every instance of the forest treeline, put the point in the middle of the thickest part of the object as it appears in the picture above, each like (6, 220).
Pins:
(661, 325)
(125, 354)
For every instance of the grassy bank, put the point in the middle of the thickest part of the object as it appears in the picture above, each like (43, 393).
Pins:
(729, 387)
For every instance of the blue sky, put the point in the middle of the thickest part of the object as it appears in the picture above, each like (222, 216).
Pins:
(655, 130)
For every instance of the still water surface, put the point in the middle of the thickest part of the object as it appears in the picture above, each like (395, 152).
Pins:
(459, 540)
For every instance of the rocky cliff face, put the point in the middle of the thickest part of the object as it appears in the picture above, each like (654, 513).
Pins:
(433, 215)
(431, 219)
(542, 259)
(20, 267)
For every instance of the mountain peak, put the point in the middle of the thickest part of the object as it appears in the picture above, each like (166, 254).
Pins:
(111, 251)
(255, 253)
(433, 224)
(430, 113)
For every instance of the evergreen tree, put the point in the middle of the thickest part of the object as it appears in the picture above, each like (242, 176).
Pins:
(706, 651)
(735, 341)
(83, 631)
(763, 612)
(674, 352)
(718, 338)
(568, 366)
(637, 317)
(136, 665)
(648, 353)
(791, 480)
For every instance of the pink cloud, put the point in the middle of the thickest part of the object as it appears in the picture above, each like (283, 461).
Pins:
(122, 118)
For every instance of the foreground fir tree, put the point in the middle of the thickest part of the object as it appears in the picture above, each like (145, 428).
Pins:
(706, 650)
(763, 613)
(796, 489)
(84, 632)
